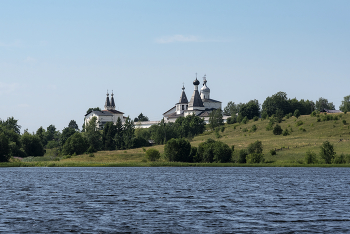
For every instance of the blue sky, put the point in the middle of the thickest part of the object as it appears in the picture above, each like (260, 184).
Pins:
(58, 58)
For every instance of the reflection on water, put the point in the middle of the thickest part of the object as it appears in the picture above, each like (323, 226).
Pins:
(196, 200)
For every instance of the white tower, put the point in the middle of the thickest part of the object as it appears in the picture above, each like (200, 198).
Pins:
(205, 91)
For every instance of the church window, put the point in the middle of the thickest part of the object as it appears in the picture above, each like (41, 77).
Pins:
(182, 107)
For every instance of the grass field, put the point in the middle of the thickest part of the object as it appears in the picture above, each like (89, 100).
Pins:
(291, 149)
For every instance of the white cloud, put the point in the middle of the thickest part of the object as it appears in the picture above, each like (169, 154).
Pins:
(177, 38)
(6, 88)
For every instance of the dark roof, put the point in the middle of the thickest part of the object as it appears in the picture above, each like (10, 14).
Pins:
(174, 115)
(112, 101)
(204, 114)
(331, 111)
(196, 82)
(196, 100)
(100, 113)
(211, 100)
(114, 111)
(183, 98)
(169, 110)
(107, 102)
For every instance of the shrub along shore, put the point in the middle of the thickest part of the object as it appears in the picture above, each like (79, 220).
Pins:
(316, 140)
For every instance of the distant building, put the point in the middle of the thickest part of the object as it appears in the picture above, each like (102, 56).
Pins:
(200, 104)
(109, 114)
(331, 111)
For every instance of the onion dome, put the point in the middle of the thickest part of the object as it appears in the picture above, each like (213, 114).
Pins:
(196, 82)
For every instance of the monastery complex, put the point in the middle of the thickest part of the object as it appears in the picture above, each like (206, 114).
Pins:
(200, 105)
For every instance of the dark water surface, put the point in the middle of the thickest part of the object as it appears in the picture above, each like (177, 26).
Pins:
(178, 200)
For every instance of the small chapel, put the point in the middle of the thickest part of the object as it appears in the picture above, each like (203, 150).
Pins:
(109, 114)
(200, 104)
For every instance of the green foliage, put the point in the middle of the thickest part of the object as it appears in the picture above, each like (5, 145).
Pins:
(72, 124)
(91, 155)
(245, 130)
(222, 129)
(310, 157)
(344, 121)
(92, 135)
(302, 129)
(298, 123)
(193, 154)
(255, 158)
(264, 115)
(250, 109)
(140, 118)
(232, 120)
(214, 151)
(256, 118)
(277, 130)
(128, 133)
(345, 104)
(152, 154)
(190, 126)
(285, 132)
(31, 145)
(327, 152)
(340, 159)
(232, 109)
(239, 118)
(4, 148)
(322, 103)
(276, 101)
(318, 119)
(92, 109)
(255, 147)
(242, 156)
(215, 119)
(217, 133)
(76, 144)
(273, 152)
(279, 115)
(245, 120)
(66, 133)
(178, 150)
(297, 113)
(254, 128)
(52, 144)
(11, 124)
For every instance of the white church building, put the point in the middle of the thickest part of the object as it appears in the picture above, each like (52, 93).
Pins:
(200, 104)
(109, 114)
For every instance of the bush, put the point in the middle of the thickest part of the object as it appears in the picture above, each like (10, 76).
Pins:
(52, 144)
(297, 113)
(245, 120)
(256, 118)
(254, 128)
(245, 129)
(298, 123)
(178, 150)
(318, 119)
(302, 129)
(76, 144)
(310, 157)
(344, 121)
(339, 159)
(313, 114)
(217, 134)
(152, 154)
(264, 115)
(273, 152)
(285, 132)
(4, 148)
(277, 130)
(222, 129)
(269, 127)
(327, 152)
(214, 151)
(232, 120)
(255, 158)
(242, 156)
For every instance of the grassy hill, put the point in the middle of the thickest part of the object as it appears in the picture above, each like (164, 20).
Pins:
(306, 133)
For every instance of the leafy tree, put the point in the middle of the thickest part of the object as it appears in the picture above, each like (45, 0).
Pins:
(277, 130)
(141, 117)
(11, 123)
(51, 134)
(339, 159)
(323, 103)
(250, 109)
(32, 145)
(278, 115)
(215, 118)
(214, 151)
(232, 109)
(297, 113)
(128, 133)
(327, 152)
(4, 148)
(75, 144)
(255, 152)
(93, 136)
(73, 124)
(242, 156)
(190, 126)
(152, 154)
(178, 150)
(66, 133)
(118, 137)
(41, 133)
(276, 101)
(310, 157)
(109, 131)
(345, 104)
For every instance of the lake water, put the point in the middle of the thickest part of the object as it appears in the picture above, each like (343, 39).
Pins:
(175, 200)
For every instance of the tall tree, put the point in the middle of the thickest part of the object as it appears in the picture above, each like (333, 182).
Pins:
(232, 109)
(345, 104)
(92, 134)
(73, 124)
(322, 103)
(276, 101)
(129, 133)
(250, 109)
(118, 137)
(108, 134)
(215, 118)
(141, 117)
(11, 123)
